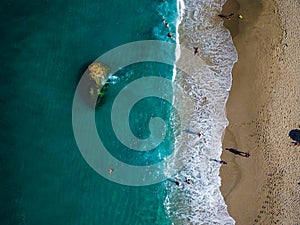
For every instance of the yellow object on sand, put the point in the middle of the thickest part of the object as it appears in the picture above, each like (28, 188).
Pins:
(240, 17)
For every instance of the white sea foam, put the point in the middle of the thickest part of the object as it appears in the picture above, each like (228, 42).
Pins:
(206, 79)
(180, 9)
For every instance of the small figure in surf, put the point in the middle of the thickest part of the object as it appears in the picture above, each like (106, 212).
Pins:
(227, 17)
(237, 152)
(110, 170)
(164, 21)
(174, 181)
(177, 182)
(222, 162)
(196, 50)
(204, 100)
(192, 132)
(188, 181)
(170, 35)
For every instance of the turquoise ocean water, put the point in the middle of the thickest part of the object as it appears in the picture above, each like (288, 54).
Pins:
(45, 48)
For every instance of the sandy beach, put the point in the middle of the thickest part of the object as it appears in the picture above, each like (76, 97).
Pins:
(263, 106)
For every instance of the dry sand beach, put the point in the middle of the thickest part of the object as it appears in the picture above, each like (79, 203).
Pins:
(263, 106)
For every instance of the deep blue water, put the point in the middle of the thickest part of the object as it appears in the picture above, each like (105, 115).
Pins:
(45, 48)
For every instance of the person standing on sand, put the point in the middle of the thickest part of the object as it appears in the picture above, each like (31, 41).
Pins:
(237, 152)
(196, 50)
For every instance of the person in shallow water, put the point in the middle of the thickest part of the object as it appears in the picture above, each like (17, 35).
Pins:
(188, 181)
(237, 152)
(219, 161)
(192, 132)
(170, 35)
(177, 182)
(164, 21)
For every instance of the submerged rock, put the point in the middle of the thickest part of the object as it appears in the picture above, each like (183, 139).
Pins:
(98, 73)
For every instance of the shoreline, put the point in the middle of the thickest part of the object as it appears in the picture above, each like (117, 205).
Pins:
(261, 110)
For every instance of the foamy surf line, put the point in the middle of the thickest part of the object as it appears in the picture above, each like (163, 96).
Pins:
(206, 79)
(180, 9)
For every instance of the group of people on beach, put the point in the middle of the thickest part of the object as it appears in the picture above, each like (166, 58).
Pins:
(222, 162)
(223, 16)
(234, 151)
(293, 134)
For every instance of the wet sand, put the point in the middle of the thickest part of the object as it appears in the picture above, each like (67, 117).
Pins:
(263, 106)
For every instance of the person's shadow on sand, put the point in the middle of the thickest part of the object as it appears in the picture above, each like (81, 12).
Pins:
(237, 152)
